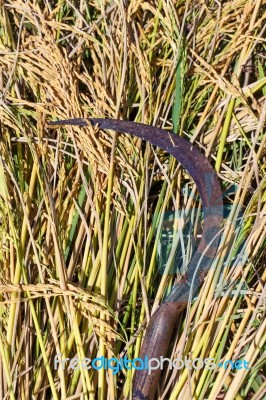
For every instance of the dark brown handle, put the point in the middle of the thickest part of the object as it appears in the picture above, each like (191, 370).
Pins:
(155, 344)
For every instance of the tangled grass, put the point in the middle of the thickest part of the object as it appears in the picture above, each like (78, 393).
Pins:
(88, 217)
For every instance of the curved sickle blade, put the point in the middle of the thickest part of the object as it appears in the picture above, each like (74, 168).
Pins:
(160, 328)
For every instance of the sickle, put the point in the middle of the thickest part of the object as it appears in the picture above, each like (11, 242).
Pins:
(161, 325)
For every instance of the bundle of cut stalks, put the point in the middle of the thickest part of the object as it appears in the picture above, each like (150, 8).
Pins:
(88, 218)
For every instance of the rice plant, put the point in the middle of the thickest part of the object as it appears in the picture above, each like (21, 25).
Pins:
(92, 220)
